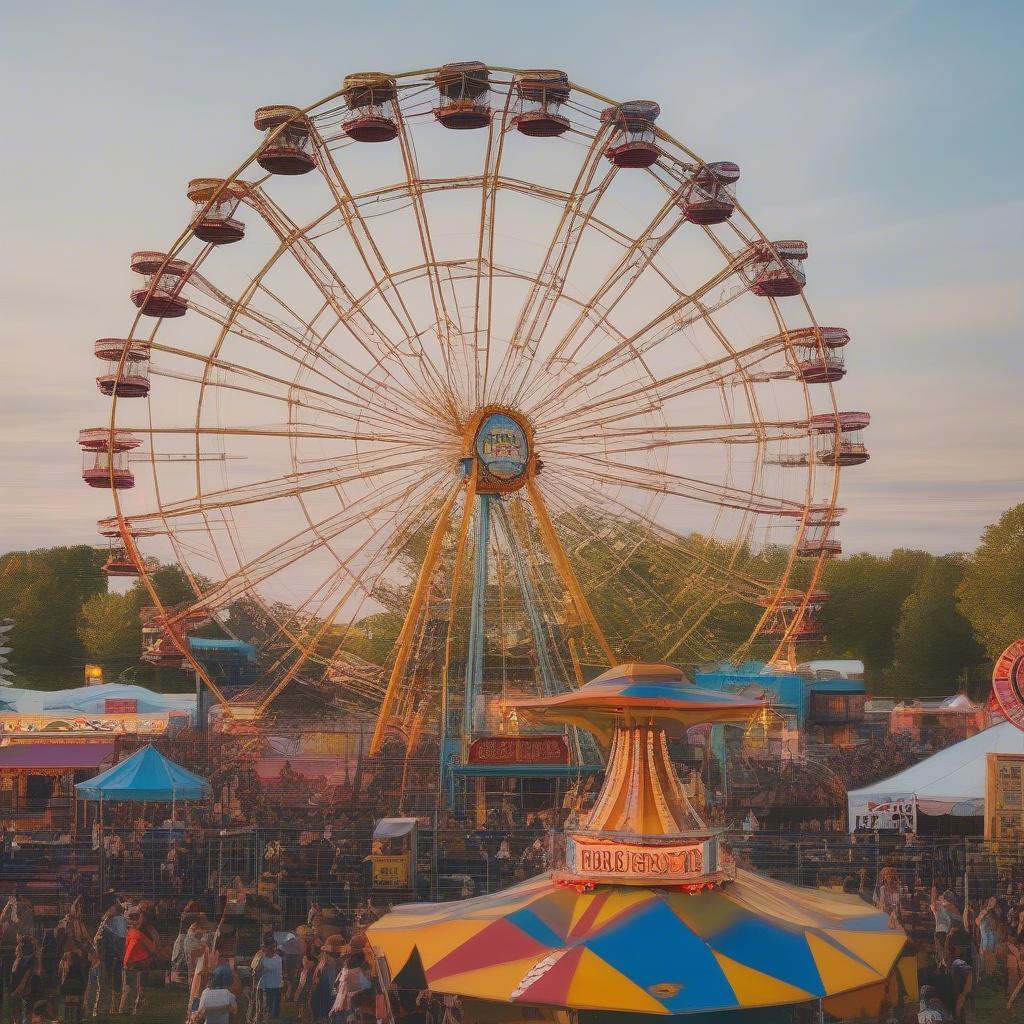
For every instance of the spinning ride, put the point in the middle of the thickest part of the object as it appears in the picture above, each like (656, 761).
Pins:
(648, 914)
(470, 413)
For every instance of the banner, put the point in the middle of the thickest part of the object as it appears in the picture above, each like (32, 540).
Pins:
(886, 815)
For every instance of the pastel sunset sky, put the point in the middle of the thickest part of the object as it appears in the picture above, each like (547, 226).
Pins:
(888, 135)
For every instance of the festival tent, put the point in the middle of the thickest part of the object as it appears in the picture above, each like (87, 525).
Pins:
(146, 775)
(93, 700)
(949, 782)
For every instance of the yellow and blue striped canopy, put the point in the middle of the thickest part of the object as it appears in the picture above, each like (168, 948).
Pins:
(753, 943)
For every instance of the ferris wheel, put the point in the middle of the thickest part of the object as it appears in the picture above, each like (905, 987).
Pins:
(466, 380)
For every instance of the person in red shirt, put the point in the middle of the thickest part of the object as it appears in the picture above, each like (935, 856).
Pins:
(139, 950)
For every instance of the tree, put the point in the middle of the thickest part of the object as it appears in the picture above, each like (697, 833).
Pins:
(109, 629)
(866, 595)
(934, 642)
(43, 590)
(991, 594)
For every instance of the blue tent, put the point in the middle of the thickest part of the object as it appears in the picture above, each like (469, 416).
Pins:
(146, 775)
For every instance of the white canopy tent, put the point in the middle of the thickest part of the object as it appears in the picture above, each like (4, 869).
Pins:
(949, 782)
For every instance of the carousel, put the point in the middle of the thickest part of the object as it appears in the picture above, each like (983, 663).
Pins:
(646, 912)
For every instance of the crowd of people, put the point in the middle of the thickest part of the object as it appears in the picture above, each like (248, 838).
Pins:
(83, 969)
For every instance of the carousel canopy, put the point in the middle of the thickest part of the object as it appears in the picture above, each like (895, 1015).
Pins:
(655, 693)
(146, 775)
(755, 943)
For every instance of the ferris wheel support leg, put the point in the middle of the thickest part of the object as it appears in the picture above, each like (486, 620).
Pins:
(556, 551)
(473, 682)
(405, 637)
(460, 548)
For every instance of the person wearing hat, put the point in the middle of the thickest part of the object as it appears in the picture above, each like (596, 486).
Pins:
(217, 1004)
(268, 969)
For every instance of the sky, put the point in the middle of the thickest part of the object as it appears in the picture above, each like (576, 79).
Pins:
(887, 135)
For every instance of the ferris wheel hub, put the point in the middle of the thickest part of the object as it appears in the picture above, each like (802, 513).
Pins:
(498, 444)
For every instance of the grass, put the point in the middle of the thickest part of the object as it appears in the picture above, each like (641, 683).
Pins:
(159, 1006)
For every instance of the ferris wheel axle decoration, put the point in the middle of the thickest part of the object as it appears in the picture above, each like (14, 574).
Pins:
(464, 384)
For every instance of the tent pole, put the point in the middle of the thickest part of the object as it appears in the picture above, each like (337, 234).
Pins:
(103, 849)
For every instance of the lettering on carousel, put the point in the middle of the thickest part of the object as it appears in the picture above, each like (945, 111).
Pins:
(627, 861)
(519, 750)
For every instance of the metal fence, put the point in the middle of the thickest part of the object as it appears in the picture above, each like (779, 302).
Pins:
(292, 867)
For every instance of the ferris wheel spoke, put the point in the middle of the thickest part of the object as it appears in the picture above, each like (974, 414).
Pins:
(369, 335)
(484, 294)
(640, 255)
(368, 413)
(380, 540)
(660, 613)
(444, 305)
(287, 553)
(675, 317)
(617, 440)
(641, 478)
(300, 656)
(294, 430)
(357, 383)
(656, 393)
(375, 265)
(273, 489)
(372, 552)
(690, 557)
(550, 280)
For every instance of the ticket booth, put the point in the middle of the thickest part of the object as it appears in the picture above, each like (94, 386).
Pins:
(394, 853)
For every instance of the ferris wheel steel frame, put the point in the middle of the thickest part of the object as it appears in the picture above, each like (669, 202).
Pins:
(503, 386)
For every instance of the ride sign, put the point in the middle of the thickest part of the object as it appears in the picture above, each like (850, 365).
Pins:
(640, 863)
(1008, 683)
(502, 448)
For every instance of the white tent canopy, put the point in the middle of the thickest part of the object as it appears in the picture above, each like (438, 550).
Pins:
(949, 782)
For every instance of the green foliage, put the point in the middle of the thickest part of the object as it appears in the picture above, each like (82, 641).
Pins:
(43, 590)
(934, 642)
(907, 615)
(109, 628)
(866, 593)
(991, 593)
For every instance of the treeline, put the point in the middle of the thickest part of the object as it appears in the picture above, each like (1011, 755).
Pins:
(923, 624)
(65, 616)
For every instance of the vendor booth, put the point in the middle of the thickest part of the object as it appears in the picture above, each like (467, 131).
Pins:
(950, 783)
(145, 776)
(394, 853)
(37, 780)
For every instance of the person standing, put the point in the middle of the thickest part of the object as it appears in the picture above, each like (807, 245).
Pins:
(139, 950)
(72, 975)
(353, 982)
(109, 943)
(268, 969)
(217, 1003)
(26, 984)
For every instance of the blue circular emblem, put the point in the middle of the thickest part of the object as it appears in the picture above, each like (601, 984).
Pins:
(502, 448)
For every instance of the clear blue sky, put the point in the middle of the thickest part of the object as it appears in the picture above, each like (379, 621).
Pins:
(887, 135)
